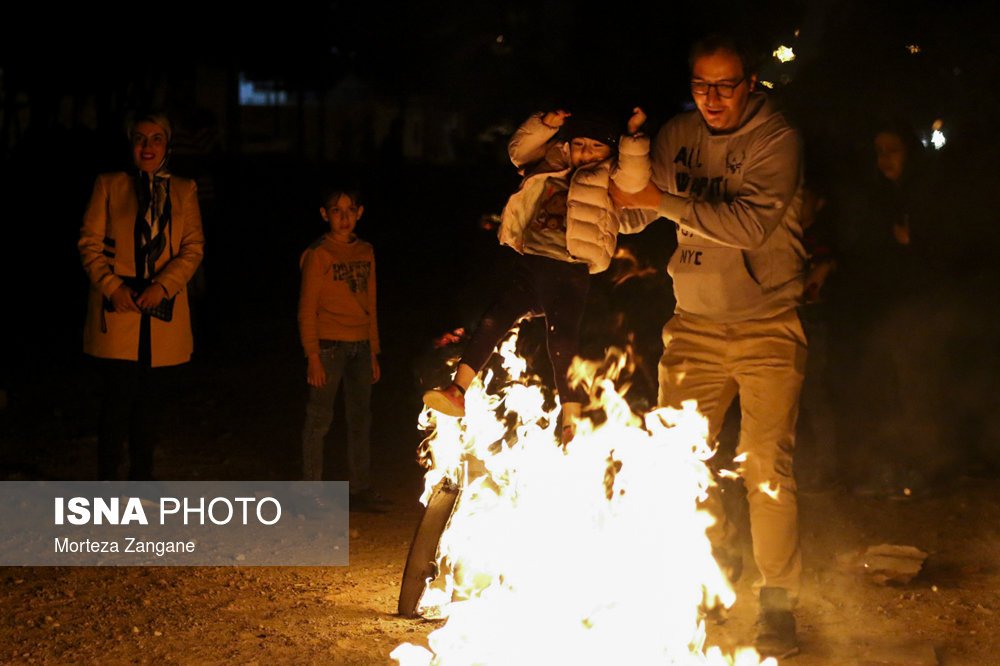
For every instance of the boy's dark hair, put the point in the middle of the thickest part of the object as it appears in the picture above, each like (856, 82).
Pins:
(720, 41)
(332, 192)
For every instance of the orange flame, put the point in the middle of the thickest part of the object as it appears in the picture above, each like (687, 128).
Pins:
(627, 267)
(772, 490)
(593, 553)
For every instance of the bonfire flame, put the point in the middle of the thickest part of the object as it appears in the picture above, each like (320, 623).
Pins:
(628, 266)
(593, 553)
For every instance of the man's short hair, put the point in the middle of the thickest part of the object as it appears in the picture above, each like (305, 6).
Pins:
(719, 41)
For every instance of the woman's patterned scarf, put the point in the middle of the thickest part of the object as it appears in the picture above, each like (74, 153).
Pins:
(152, 223)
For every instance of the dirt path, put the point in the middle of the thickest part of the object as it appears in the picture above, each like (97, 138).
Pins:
(236, 427)
(347, 615)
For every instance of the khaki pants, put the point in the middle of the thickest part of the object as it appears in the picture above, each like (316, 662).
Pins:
(763, 360)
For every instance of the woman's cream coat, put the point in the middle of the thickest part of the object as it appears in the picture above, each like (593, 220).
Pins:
(107, 245)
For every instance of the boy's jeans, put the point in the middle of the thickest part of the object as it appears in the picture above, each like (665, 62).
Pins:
(350, 361)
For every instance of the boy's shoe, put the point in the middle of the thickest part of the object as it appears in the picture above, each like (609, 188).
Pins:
(776, 635)
(449, 401)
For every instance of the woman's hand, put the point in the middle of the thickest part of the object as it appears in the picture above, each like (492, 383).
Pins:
(376, 370)
(315, 374)
(151, 296)
(123, 300)
(636, 121)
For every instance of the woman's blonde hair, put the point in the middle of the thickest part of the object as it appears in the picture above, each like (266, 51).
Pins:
(155, 117)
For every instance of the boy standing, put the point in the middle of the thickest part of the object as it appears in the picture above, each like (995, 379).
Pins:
(339, 332)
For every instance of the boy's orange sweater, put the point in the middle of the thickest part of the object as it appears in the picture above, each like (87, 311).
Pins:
(337, 298)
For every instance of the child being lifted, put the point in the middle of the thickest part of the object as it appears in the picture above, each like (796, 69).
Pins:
(564, 226)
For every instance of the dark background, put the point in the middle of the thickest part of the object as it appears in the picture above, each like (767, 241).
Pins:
(414, 101)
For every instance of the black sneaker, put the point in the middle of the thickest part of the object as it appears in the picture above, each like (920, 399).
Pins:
(776, 635)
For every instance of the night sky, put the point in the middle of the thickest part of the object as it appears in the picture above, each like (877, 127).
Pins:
(538, 50)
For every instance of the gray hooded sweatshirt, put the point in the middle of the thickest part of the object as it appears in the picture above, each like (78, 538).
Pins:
(736, 200)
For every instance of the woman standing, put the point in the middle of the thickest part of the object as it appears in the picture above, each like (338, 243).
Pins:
(140, 244)
(893, 291)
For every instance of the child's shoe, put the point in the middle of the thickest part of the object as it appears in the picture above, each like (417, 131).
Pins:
(449, 401)
(568, 433)
(569, 418)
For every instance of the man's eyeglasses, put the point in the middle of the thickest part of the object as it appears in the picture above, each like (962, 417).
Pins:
(724, 90)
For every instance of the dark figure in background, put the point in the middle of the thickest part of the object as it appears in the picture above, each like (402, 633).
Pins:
(140, 244)
(894, 336)
(817, 452)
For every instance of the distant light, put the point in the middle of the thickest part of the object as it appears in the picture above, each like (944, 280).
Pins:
(937, 139)
(937, 124)
(784, 54)
(796, 32)
(914, 49)
(767, 84)
(499, 39)
(260, 93)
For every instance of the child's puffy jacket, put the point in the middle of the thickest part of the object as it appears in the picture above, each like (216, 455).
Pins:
(591, 218)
